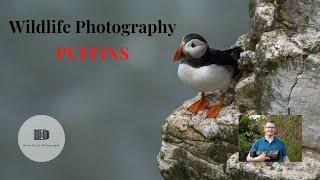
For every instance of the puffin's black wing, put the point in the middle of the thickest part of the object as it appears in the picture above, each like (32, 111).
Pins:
(228, 57)
(234, 52)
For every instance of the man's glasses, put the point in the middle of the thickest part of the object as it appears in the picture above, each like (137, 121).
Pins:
(269, 127)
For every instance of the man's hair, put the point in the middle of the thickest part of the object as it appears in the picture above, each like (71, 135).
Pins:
(270, 121)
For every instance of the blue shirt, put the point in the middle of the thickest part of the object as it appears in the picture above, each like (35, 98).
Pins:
(276, 144)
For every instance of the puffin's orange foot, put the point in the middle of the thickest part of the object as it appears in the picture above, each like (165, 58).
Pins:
(199, 105)
(214, 110)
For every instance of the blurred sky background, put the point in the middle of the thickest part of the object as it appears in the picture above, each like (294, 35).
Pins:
(111, 112)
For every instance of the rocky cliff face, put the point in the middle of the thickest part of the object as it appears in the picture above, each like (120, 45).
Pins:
(194, 147)
(285, 37)
(281, 75)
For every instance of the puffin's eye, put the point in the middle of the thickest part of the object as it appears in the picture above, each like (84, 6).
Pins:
(192, 45)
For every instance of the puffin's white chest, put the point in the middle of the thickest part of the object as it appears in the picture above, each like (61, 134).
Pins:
(206, 78)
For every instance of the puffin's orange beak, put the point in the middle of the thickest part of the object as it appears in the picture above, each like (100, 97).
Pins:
(178, 53)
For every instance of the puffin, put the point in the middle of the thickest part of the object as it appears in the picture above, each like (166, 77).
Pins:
(206, 69)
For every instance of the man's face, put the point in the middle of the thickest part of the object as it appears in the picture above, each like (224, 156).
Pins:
(270, 129)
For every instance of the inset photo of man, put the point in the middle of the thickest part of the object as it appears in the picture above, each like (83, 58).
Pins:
(272, 138)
